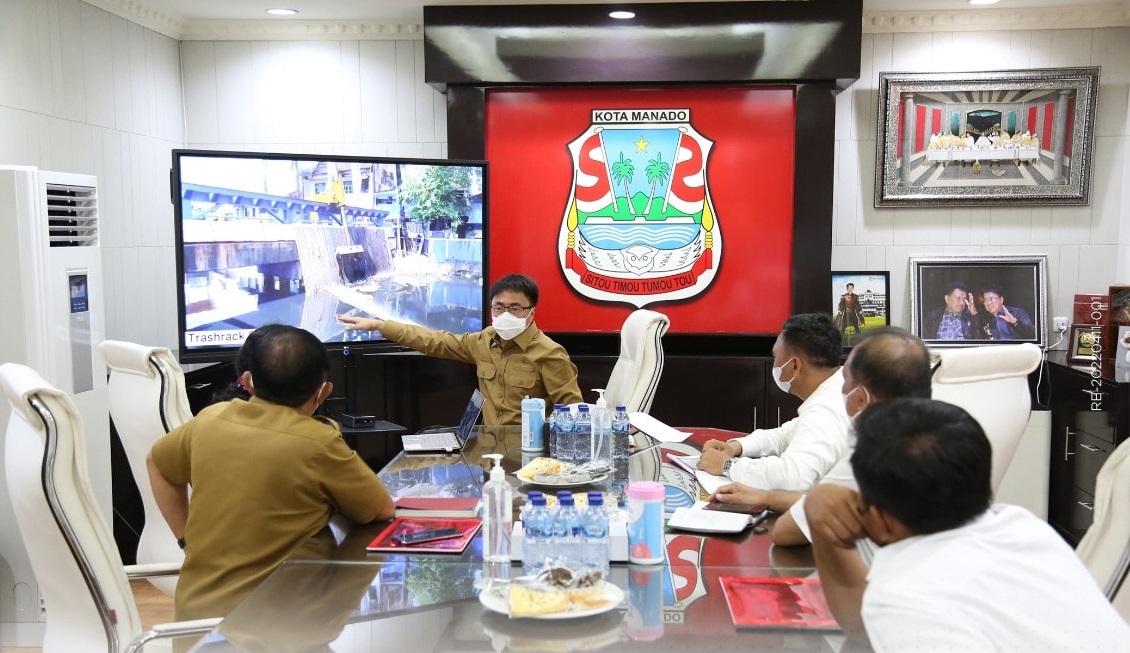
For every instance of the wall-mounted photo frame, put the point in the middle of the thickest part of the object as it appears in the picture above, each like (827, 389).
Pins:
(1005, 137)
(859, 302)
(1086, 344)
(960, 301)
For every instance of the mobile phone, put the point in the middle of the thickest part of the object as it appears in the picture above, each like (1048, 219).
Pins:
(427, 536)
(737, 507)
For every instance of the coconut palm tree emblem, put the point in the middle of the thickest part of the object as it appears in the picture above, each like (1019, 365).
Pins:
(623, 171)
(657, 171)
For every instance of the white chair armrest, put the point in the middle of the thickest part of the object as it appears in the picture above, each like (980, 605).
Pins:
(172, 629)
(152, 570)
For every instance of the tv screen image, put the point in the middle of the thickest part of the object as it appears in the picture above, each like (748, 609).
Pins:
(266, 238)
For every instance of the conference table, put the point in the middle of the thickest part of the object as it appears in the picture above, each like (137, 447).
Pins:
(344, 599)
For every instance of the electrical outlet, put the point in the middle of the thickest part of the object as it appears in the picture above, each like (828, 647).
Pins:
(1060, 324)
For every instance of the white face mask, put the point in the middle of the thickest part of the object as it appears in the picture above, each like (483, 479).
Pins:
(508, 326)
(866, 395)
(785, 386)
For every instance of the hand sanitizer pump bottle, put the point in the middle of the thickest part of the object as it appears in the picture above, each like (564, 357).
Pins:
(601, 430)
(498, 517)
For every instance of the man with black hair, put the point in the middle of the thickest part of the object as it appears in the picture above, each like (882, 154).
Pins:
(806, 363)
(1001, 322)
(886, 363)
(953, 573)
(266, 475)
(953, 320)
(514, 359)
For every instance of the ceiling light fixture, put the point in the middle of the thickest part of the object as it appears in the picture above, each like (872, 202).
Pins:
(983, 2)
(622, 15)
(282, 12)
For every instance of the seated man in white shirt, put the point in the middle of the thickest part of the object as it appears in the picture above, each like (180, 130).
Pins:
(887, 363)
(953, 573)
(806, 363)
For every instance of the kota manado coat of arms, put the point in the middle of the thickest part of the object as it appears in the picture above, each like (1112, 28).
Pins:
(639, 226)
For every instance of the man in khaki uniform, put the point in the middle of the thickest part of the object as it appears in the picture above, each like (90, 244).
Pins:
(514, 359)
(266, 475)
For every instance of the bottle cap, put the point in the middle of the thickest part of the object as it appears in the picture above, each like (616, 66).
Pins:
(645, 491)
(596, 499)
(566, 499)
(538, 500)
(621, 409)
(584, 408)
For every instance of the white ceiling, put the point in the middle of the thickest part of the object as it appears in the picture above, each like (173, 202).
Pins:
(337, 19)
(410, 10)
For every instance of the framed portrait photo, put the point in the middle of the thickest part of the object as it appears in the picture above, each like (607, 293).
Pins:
(1005, 137)
(859, 302)
(964, 300)
(1085, 345)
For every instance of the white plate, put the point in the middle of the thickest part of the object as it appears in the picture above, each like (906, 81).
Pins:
(497, 599)
(563, 483)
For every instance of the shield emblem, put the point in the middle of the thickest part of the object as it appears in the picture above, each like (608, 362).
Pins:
(639, 226)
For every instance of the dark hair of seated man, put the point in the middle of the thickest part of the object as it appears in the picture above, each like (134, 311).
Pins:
(287, 365)
(891, 362)
(816, 336)
(235, 389)
(925, 462)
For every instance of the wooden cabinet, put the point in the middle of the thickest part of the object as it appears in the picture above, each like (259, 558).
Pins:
(1089, 418)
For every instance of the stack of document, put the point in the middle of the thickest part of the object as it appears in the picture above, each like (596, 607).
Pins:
(698, 518)
(709, 482)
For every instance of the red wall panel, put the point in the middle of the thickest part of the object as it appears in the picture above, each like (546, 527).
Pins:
(749, 186)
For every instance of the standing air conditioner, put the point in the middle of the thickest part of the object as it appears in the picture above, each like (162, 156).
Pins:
(52, 301)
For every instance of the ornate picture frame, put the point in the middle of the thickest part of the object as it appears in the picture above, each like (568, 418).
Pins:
(1005, 137)
(1015, 287)
(870, 308)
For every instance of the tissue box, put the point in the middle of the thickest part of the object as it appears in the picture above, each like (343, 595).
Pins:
(618, 547)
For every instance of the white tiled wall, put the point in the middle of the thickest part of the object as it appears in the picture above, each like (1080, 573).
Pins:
(1087, 247)
(84, 91)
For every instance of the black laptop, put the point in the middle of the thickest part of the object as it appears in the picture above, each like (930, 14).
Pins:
(447, 441)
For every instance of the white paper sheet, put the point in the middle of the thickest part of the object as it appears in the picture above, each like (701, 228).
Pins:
(656, 429)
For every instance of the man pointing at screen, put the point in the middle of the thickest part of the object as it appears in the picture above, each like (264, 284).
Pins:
(513, 358)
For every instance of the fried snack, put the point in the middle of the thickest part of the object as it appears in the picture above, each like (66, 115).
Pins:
(527, 601)
(587, 598)
(543, 465)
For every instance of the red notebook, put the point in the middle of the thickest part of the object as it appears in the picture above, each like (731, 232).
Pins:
(387, 541)
(778, 603)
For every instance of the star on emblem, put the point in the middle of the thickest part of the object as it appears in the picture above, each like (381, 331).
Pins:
(641, 145)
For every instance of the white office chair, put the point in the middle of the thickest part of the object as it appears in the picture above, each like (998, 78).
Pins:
(147, 399)
(85, 587)
(1105, 549)
(635, 376)
(991, 384)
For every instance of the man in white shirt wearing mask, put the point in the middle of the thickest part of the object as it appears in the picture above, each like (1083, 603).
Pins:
(793, 456)
(513, 358)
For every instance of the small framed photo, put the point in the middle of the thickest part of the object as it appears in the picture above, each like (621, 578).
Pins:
(1085, 345)
(1122, 347)
(986, 138)
(987, 300)
(859, 302)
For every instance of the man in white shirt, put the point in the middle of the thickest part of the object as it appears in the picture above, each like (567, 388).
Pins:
(806, 363)
(952, 572)
(887, 363)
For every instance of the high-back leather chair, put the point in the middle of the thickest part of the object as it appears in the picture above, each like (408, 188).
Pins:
(635, 376)
(1105, 549)
(991, 384)
(147, 399)
(85, 587)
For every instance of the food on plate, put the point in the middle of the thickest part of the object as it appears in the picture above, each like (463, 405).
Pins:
(531, 600)
(543, 465)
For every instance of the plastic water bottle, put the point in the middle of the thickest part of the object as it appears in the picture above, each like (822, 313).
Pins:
(621, 444)
(537, 528)
(582, 435)
(498, 516)
(554, 430)
(565, 547)
(566, 436)
(596, 545)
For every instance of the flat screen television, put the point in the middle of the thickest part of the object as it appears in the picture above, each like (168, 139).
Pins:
(264, 238)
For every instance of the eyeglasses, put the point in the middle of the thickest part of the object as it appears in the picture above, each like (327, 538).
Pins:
(513, 309)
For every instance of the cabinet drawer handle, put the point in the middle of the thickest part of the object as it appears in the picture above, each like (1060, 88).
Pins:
(1086, 504)
(1092, 449)
(1067, 443)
